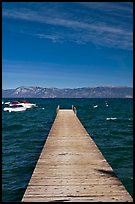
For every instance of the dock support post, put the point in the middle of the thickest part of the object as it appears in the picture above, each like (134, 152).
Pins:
(57, 109)
(74, 109)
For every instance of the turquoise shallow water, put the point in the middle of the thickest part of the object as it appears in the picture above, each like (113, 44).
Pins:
(24, 134)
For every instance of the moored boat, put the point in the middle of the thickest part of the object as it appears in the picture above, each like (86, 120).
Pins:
(19, 105)
(27, 104)
(14, 108)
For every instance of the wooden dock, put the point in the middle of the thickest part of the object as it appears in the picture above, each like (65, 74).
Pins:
(71, 168)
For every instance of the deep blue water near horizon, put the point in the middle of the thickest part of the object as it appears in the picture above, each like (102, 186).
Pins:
(24, 134)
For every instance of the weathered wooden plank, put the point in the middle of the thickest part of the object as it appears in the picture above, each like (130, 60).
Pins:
(68, 190)
(72, 181)
(100, 198)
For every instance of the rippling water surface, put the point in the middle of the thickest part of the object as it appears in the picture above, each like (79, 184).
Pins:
(108, 121)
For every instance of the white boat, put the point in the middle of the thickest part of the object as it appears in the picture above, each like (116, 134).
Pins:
(14, 108)
(18, 105)
(27, 104)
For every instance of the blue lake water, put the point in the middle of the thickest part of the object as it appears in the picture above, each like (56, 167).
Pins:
(110, 125)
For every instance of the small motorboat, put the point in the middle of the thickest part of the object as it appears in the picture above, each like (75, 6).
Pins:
(14, 108)
(27, 104)
(20, 105)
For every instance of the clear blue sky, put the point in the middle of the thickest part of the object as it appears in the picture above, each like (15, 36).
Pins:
(67, 44)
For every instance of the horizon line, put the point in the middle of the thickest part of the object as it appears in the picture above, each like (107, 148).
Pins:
(107, 86)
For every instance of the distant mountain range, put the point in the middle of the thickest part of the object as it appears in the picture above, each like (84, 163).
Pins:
(84, 92)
